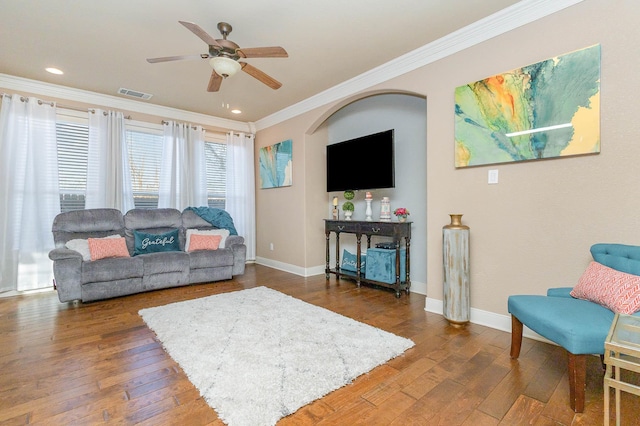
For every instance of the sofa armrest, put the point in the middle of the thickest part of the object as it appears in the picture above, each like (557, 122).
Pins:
(560, 292)
(63, 253)
(239, 249)
(67, 272)
(233, 240)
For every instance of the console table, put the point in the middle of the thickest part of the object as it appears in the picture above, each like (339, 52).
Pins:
(395, 230)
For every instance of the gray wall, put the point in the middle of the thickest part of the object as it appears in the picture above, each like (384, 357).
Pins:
(407, 116)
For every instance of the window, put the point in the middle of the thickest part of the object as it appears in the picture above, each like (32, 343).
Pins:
(144, 143)
(73, 145)
(216, 158)
(145, 155)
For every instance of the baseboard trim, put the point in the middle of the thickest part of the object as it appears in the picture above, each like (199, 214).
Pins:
(416, 287)
(486, 318)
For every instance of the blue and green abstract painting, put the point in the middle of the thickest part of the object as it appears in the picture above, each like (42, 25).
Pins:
(545, 110)
(275, 165)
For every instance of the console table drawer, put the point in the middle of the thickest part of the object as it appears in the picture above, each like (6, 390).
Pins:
(378, 228)
(351, 227)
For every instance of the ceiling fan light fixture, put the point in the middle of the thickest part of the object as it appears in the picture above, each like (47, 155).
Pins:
(226, 67)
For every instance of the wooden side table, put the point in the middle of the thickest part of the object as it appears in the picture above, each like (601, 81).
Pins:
(621, 352)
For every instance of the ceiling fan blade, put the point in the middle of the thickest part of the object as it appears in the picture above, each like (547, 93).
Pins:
(263, 52)
(176, 58)
(214, 82)
(194, 28)
(261, 76)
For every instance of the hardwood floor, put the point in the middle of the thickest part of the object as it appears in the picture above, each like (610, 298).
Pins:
(68, 364)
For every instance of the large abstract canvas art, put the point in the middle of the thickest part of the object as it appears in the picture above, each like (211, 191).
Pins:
(275, 165)
(545, 110)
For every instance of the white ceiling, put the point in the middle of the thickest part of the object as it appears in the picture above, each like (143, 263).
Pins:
(102, 45)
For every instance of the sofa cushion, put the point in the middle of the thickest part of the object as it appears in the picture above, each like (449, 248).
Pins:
(152, 218)
(83, 224)
(145, 243)
(111, 269)
(210, 258)
(577, 325)
(610, 288)
(169, 261)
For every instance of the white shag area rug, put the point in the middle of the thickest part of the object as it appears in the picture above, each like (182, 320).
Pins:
(258, 355)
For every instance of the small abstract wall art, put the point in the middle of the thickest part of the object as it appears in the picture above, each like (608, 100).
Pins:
(545, 110)
(275, 165)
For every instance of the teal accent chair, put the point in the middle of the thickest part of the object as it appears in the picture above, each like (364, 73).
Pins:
(579, 326)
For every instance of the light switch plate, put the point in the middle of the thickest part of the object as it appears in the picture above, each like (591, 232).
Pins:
(493, 176)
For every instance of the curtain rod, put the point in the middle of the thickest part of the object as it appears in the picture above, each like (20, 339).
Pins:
(93, 111)
(165, 122)
(72, 108)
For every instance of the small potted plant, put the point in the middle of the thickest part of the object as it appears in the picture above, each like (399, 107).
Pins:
(348, 208)
(401, 213)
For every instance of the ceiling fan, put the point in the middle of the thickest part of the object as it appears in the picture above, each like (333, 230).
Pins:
(224, 57)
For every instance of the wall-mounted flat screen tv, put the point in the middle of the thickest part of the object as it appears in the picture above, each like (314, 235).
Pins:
(366, 162)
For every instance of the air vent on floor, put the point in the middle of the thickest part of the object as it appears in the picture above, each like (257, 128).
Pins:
(134, 94)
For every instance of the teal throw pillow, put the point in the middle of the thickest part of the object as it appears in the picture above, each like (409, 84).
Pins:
(349, 261)
(153, 243)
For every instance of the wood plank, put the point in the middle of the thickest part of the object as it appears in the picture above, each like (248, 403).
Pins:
(73, 363)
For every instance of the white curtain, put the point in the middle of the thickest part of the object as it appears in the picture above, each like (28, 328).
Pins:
(183, 169)
(241, 195)
(108, 172)
(29, 193)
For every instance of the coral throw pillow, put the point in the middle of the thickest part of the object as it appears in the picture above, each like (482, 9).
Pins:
(615, 290)
(204, 242)
(101, 248)
(223, 232)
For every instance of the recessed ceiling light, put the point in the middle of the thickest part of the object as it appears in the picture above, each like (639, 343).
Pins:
(236, 111)
(54, 71)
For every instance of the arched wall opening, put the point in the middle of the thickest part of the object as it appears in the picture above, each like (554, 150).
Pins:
(363, 114)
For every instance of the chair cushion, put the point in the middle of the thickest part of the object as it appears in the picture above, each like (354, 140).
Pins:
(559, 292)
(579, 326)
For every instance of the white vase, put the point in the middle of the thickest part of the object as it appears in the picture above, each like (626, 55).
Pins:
(368, 212)
(347, 215)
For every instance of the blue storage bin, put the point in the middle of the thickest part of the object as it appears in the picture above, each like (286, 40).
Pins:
(381, 265)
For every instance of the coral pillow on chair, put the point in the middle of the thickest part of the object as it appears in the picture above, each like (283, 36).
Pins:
(204, 242)
(615, 290)
(101, 248)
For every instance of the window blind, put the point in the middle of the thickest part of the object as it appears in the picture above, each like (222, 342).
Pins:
(73, 145)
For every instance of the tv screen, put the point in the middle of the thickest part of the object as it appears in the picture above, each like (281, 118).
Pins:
(366, 162)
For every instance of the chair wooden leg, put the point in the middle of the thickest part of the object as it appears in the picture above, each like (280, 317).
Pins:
(577, 381)
(516, 337)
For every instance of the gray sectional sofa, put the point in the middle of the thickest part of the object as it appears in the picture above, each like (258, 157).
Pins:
(86, 280)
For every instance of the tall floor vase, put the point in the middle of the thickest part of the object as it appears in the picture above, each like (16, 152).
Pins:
(455, 249)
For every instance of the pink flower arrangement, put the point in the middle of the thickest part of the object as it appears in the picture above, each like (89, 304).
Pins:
(401, 212)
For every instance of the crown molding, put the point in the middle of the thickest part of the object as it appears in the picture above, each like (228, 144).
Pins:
(510, 18)
(62, 92)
